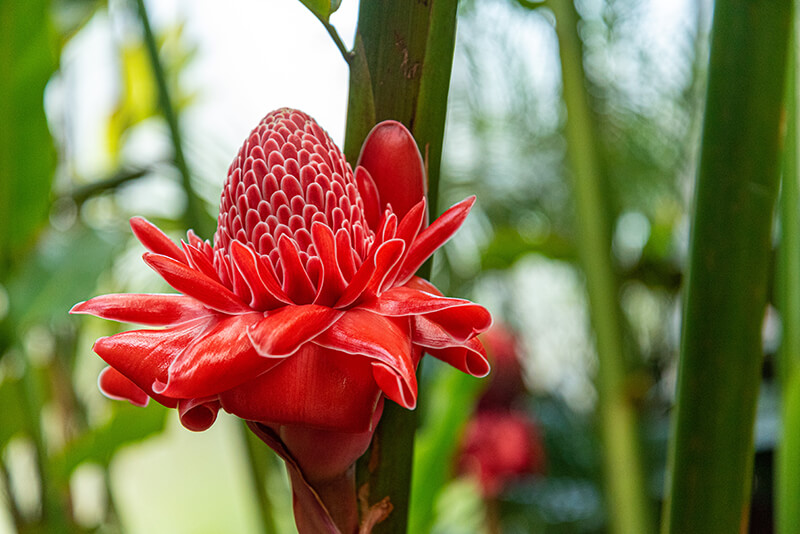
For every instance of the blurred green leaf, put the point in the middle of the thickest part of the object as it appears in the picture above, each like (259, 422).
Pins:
(12, 416)
(27, 156)
(63, 272)
(128, 424)
(508, 245)
(138, 99)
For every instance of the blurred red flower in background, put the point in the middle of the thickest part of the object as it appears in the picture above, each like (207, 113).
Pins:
(500, 447)
(501, 442)
(305, 312)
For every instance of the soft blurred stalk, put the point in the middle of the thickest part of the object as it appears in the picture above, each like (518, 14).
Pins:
(194, 217)
(400, 69)
(711, 455)
(787, 467)
(627, 502)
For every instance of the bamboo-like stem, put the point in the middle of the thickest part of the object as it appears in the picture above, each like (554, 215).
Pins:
(628, 506)
(787, 465)
(400, 70)
(711, 450)
(193, 216)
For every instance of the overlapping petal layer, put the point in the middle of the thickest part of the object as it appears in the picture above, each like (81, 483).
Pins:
(305, 310)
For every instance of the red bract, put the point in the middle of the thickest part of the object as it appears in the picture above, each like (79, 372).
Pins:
(305, 311)
(500, 447)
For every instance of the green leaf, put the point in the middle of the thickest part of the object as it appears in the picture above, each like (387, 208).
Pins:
(322, 8)
(27, 156)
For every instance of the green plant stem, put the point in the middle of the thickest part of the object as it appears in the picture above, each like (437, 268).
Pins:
(787, 465)
(259, 464)
(400, 70)
(711, 452)
(628, 506)
(194, 216)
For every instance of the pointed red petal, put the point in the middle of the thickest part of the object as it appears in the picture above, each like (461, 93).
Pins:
(433, 237)
(155, 240)
(384, 340)
(392, 158)
(369, 195)
(469, 358)
(282, 332)
(316, 387)
(155, 310)
(198, 414)
(199, 261)
(296, 283)
(195, 284)
(344, 254)
(115, 385)
(220, 358)
(387, 256)
(144, 356)
(332, 283)
(407, 230)
(267, 294)
(372, 272)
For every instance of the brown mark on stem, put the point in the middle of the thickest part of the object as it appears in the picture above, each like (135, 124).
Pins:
(410, 69)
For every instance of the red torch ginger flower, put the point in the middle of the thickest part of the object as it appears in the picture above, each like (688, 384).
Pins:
(306, 311)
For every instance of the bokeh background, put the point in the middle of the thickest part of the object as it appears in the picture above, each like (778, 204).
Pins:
(85, 147)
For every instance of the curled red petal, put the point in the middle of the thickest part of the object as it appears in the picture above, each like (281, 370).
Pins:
(196, 284)
(391, 156)
(155, 240)
(144, 356)
(433, 237)
(400, 301)
(115, 385)
(220, 358)
(469, 358)
(462, 322)
(198, 414)
(147, 309)
(316, 387)
(283, 331)
(384, 340)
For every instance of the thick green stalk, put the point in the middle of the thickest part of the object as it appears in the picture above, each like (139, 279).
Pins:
(787, 466)
(711, 454)
(628, 506)
(400, 69)
(193, 216)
